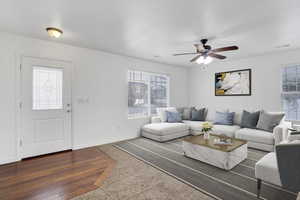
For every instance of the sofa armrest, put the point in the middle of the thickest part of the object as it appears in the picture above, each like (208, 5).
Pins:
(280, 133)
(155, 119)
(293, 137)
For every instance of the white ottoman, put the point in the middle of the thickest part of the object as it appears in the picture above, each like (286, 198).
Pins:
(165, 131)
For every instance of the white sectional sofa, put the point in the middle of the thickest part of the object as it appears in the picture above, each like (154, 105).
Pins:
(259, 139)
(165, 131)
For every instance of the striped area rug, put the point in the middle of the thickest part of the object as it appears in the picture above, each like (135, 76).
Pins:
(236, 184)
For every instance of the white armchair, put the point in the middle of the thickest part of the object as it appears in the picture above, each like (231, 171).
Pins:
(280, 167)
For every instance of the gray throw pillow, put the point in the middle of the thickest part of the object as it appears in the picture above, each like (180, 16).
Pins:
(198, 115)
(187, 113)
(180, 110)
(267, 121)
(249, 120)
(173, 117)
(224, 118)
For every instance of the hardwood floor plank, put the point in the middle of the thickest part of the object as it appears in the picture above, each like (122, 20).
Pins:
(57, 176)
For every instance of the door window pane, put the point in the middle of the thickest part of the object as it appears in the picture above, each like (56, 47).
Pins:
(47, 88)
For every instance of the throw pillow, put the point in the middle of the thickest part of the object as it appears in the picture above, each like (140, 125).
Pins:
(180, 109)
(249, 120)
(198, 115)
(187, 113)
(173, 117)
(224, 118)
(161, 112)
(267, 120)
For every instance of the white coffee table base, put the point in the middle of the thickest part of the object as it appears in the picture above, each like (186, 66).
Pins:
(221, 159)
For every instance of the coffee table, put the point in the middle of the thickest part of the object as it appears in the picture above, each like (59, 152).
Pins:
(222, 156)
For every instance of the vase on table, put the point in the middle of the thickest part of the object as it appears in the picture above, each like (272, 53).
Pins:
(206, 128)
(206, 135)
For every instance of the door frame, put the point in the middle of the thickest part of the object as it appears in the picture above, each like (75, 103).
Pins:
(18, 94)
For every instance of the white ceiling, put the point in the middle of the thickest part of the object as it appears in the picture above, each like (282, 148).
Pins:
(149, 28)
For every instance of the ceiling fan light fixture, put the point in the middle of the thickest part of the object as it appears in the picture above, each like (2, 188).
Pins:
(200, 60)
(54, 32)
(204, 60)
(208, 60)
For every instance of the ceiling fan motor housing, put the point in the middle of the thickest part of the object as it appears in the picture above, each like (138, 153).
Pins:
(204, 41)
(206, 47)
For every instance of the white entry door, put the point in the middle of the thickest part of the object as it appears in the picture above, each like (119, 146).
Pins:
(45, 107)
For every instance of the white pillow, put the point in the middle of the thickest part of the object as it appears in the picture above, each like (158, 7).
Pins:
(161, 112)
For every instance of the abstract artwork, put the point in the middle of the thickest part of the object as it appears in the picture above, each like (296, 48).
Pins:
(233, 83)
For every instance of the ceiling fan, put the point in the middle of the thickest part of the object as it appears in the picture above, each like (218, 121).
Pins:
(206, 54)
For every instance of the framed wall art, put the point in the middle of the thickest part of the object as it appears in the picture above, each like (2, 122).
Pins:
(233, 83)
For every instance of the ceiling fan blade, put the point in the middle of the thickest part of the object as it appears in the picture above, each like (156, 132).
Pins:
(230, 48)
(217, 56)
(195, 58)
(181, 54)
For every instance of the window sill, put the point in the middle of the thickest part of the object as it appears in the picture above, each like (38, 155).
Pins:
(142, 117)
(139, 117)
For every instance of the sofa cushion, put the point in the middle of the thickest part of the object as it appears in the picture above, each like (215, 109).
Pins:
(267, 120)
(165, 128)
(161, 112)
(224, 118)
(187, 113)
(194, 125)
(198, 115)
(254, 135)
(173, 117)
(266, 169)
(164, 138)
(181, 109)
(249, 120)
(225, 129)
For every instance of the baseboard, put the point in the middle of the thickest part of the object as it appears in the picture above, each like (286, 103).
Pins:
(92, 144)
(80, 146)
(8, 160)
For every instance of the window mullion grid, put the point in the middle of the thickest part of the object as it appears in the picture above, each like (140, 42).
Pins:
(149, 93)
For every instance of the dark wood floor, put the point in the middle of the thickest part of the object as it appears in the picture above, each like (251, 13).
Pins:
(58, 176)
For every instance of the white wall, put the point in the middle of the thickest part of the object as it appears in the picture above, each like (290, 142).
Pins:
(266, 80)
(100, 76)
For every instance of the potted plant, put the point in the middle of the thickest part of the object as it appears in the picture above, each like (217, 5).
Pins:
(206, 128)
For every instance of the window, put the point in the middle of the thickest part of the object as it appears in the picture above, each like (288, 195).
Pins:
(146, 92)
(47, 88)
(290, 95)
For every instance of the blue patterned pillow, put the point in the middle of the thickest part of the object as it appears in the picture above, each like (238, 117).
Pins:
(173, 117)
(224, 118)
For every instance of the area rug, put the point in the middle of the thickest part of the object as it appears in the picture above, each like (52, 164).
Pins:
(236, 184)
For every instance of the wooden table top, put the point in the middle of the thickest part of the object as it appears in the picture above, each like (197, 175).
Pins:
(210, 143)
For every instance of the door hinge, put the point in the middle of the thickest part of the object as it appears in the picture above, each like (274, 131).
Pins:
(21, 143)
(20, 67)
(20, 105)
